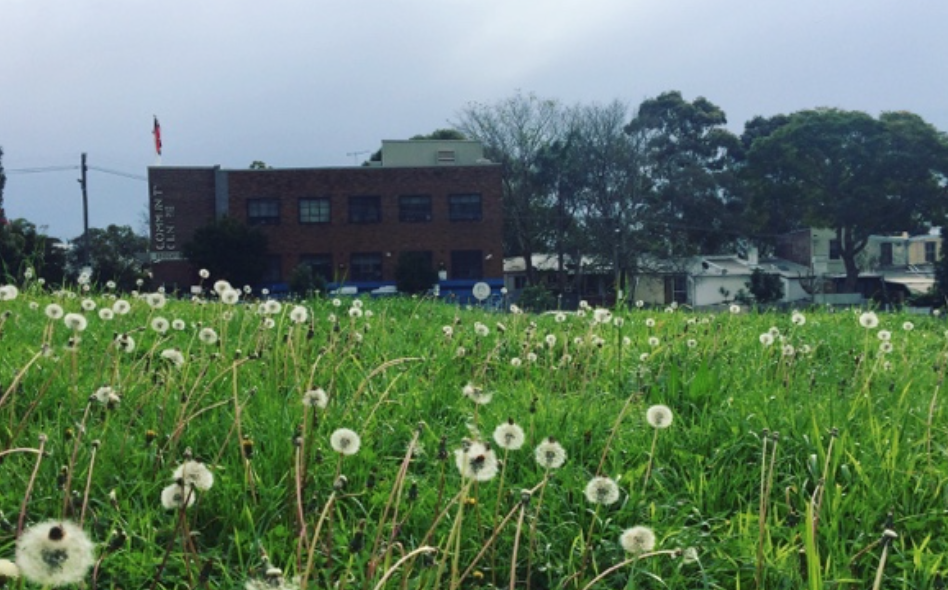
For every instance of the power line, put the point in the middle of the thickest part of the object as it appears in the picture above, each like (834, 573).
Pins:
(40, 170)
(118, 173)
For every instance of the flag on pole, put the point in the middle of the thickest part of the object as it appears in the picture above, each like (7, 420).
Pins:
(157, 133)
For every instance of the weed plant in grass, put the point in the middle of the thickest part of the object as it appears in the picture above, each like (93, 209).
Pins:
(415, 444)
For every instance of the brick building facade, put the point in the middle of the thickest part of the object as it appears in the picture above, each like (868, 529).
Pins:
(438, 199)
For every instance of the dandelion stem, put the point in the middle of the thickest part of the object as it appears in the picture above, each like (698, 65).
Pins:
(631, 560)
(516, 546)
(85, 495)
(388, 573)
(651, 457)
(29, 486)
(315, 539)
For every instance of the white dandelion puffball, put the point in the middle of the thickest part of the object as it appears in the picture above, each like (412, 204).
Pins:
(221, 286)
(649, 323)
(54, 311)
(155, 300)
(868, 320)
(160, 325)
(174, 496)
(106, 314)
(550, 454)
(194, 473)
(178, 324)
(299, 314)
(121, 307)
(509, 436)
(476, 461)
(638, 539)
(602, 490)
(798, 319)
(54, 553)
(8, 293)
(653, 341)
(204, 273)
(345, 441)
(659, 416)
(316, 398)
(908, 326)
(173, 356)
(208, 336)
(766, 338)
(230, 296)
(602, 316)
(735, 308)
(75, 322)
(8, 570)
(476, 394)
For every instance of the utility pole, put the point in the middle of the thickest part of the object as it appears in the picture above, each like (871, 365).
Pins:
(85, 209)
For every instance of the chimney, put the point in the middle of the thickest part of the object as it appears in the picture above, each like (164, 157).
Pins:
(752, 255)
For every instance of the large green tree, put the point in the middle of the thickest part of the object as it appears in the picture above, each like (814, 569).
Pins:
(515, 132)
(689, 166)
(847, 171)
(230, 250)
(115, 253)
(23, 246)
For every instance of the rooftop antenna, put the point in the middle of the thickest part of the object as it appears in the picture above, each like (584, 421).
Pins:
(355, 156)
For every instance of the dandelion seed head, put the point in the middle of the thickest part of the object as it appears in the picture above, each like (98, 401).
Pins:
(316, 398)
(178, 324)
(649, 323)
(299, 314)
(54, 553)
(602, 315)
(230, 296)
(121, 306)
(207, 336)
(638, 539)
(481, 329)
(54, 311)
(766, 338)
(345, 441)
(8, 570)
(155, 300)
(174, 496)
(476, 394)
(868, 320)
(87, 305)
(194, 473)
(659, 416)
(797, 318)
(602, 490)
(653, 341)
(509, 436)
(550, 454)
(173, 356)
(221, 286)
(75, 322)
(908, 326)
(884, 335)
(476, 461)
(160, 324)
(204, 273)
(125, 343)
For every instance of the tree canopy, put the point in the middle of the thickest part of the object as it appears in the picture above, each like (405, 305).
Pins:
(115, 253)
(847, 171)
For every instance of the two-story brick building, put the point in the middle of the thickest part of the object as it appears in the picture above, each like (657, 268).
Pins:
(439, 199)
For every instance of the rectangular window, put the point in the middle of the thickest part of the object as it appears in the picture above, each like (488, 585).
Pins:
(834, 250)
(314, 211)
(467, 264)
(263, 211)
(320, 264)
(414, 208)
(365, 209)
(931, 251)
(464, 207)
(446, 156)
(885, 254)
(365, 266)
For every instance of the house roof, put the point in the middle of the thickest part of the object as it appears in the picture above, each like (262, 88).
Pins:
(543, 262)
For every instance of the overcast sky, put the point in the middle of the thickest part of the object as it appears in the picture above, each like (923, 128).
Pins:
(306, 82)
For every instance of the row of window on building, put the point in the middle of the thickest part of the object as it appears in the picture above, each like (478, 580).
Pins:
(370, 266)
(365, 209)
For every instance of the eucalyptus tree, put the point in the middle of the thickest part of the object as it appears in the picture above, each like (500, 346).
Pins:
(850, 172)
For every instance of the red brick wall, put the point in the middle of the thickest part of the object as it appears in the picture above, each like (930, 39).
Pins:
(192, 192)
(291, 238)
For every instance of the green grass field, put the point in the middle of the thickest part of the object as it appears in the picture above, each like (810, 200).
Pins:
(788, 458)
